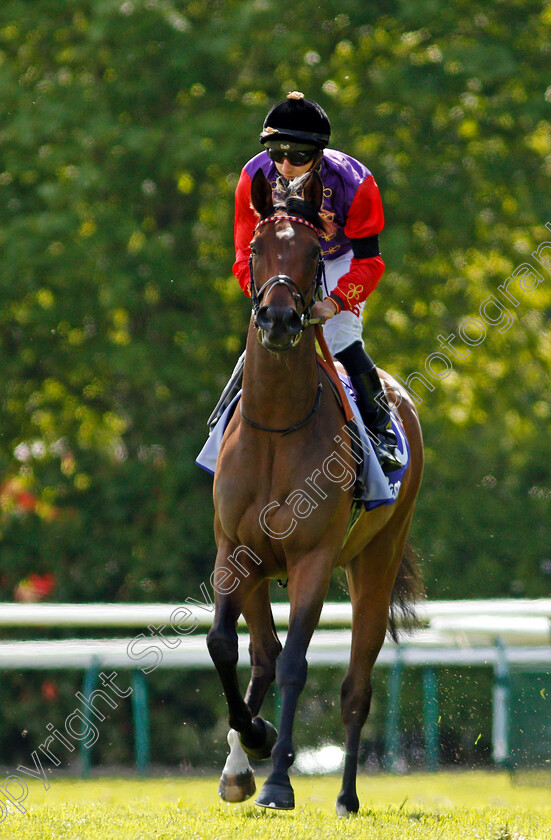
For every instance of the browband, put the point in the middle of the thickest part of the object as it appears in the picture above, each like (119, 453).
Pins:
(285, 218)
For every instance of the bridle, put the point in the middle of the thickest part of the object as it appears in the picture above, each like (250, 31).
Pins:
(305, 320)
(288, 282)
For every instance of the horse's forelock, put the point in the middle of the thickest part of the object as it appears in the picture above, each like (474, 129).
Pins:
(296, 206)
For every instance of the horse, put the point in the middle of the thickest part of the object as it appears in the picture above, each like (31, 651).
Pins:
(274, 445)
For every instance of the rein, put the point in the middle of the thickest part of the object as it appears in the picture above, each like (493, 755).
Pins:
(285, 280)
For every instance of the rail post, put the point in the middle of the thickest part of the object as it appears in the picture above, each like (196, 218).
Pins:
(90, 680)
(140, 711)
(500, 717)
(431, 719)
(392, 735)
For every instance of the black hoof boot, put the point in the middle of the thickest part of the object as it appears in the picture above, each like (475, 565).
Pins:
(259, 744)
(278, 797)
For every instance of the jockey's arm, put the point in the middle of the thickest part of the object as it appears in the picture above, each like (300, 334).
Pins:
(245, 223)
(364, 221)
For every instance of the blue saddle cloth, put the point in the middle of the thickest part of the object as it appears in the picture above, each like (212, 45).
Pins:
(376, 488)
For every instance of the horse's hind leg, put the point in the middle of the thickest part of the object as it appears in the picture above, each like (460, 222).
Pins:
(237, 779)
(368, 634)
(371, 578)
(264, 648)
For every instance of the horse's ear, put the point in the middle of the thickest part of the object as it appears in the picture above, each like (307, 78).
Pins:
(261, 194)
(313, 190)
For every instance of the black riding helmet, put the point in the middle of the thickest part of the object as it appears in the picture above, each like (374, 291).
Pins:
(297, 119)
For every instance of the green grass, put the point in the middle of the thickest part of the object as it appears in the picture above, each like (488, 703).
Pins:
(445, 806)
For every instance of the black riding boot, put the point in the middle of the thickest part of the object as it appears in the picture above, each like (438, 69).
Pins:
(228, 393)
(372, 403)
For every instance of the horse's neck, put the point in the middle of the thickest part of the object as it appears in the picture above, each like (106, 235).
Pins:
(279, 390)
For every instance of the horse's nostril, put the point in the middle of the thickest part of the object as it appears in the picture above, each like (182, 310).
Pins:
(292, 322)
(278, 320)
(264, 318)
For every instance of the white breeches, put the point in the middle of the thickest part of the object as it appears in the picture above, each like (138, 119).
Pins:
(346, 327)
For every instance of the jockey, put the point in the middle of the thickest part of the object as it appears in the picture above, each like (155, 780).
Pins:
(295, 136)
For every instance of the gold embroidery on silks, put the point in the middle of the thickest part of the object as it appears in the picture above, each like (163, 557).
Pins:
(354, 292)
(328, 216)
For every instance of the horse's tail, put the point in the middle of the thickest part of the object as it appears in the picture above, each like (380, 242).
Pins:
(407, 592)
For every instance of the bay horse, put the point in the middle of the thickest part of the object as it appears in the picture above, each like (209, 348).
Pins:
(285, 426)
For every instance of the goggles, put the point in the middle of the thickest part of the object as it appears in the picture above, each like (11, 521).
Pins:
(295, 157)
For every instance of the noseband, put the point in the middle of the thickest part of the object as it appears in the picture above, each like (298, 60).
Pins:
(285, 280)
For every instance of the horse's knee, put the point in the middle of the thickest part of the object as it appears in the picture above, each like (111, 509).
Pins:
(355, 700)
(222, 646)
(290, 672)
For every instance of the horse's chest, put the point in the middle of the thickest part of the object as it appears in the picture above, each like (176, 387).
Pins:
(274, 501)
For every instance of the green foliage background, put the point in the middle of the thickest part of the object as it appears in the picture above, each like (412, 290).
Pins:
(123, 128)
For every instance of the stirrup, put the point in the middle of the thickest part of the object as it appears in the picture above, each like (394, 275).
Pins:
(376, 417)
(386, 449)
(228, 393)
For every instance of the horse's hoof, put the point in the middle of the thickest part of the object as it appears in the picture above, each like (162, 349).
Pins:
(238, 788)
(280, 797)
(262, 741)
(346, 806)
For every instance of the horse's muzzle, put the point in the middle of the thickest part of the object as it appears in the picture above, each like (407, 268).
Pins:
(279, 325)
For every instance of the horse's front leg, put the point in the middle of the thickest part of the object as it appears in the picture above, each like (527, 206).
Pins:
(371, 578)
(231, 593)
(308, 584)
(237, 779)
